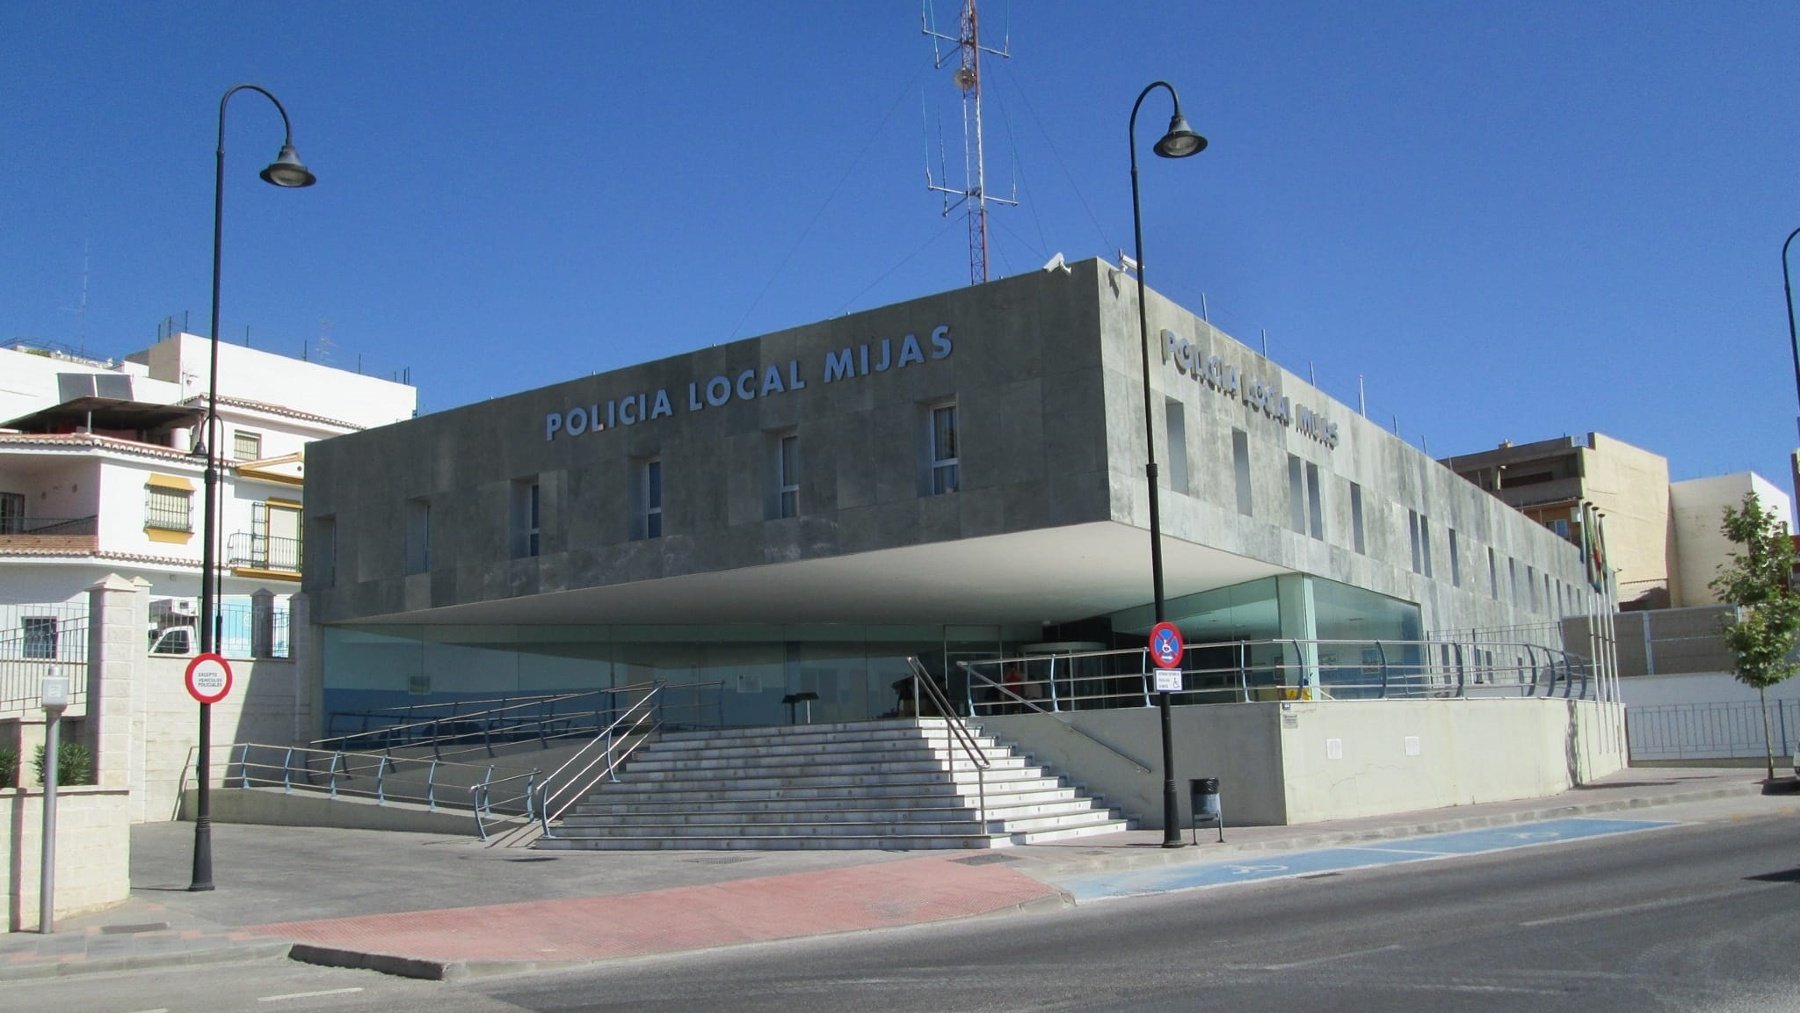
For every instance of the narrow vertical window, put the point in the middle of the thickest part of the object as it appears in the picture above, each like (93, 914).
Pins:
(1296, 496)
(1175, 417)
(1315, 504)
(1240, 469)
(1493, 576)
(1425, 543)
(12, 513)
(945, 462)
(1455, 561)
(1531, 585)
(1412, 532)
(527, 514)
(1512, 577)
(787, 475)
(1356, 518)
(418, 535)
(652, 479)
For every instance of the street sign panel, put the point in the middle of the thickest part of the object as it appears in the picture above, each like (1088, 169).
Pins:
(1168, 680)
(1165, 645)
(208, 678)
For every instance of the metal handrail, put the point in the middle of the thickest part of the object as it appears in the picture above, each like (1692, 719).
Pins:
(345, 773)
(387, 736)
(640, 719)
(970, 676)
(958, 731)
(1387, 670)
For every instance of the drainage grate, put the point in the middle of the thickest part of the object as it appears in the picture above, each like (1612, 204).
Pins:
(985, 859)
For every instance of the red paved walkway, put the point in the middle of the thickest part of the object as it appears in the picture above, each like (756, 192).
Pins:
(880, 895)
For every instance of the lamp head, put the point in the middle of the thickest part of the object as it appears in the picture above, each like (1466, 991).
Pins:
(287, 171)
(1181, 140)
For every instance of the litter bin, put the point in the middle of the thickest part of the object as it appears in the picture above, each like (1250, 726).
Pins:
(1203, 793)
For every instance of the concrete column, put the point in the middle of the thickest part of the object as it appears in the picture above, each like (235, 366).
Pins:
(305, 648)
(262, 623)
(1299, 621)
(118, 619)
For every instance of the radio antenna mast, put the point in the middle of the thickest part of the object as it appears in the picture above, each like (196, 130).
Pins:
(973, 197)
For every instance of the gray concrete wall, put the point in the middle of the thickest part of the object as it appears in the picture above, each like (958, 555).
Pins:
(1021, 363)
(1394, 477)
(1045, 370)
(1301, 762)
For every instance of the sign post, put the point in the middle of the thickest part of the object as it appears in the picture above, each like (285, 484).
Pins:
(208, 681)
(55, 700)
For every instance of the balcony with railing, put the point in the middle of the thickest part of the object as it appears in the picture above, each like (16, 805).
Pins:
(66, 534)
(263, 552)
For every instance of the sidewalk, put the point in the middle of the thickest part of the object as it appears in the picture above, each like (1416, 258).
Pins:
(443, 907)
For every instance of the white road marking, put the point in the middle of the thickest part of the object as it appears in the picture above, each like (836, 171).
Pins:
(308, 995)
(1634, 908)
(1327, 960)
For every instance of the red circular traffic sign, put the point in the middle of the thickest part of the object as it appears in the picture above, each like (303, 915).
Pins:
(1165, 645)
(208, 678)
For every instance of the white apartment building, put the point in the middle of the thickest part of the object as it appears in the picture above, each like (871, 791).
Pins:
(99, 472)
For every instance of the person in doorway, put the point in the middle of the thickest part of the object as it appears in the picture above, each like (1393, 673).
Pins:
(1012, 680)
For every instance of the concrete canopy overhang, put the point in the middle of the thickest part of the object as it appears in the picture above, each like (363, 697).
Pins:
(1047, 575)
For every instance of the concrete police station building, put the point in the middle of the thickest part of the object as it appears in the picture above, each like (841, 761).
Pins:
(959, 478)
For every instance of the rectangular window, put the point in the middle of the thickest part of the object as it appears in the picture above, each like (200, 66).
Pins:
(526, 518)
(1493, 576)
(1296, 495)
(1455, 561)
(1175, 417)
(1561, 527)
(945, 462)
(652, 498)
(1412, 532)
(12, 513)
(1531, 585)
(246, 445)
(418, 535)
(1425, 543)
(1240, 469)
(787, 476)
(1315, 505)
(39, 636)
(1512, 576)
(168, 509)
(1356, 518)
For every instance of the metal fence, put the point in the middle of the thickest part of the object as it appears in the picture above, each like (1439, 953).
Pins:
(1262, 670)
(1710, 731)
(36, 640)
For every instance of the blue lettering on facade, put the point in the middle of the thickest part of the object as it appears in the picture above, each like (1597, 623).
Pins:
(767, 380)
(1260, 396)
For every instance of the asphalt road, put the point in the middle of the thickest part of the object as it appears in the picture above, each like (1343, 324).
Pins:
(1696, 917)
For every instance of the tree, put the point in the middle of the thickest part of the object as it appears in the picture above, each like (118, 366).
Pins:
(1762, 634)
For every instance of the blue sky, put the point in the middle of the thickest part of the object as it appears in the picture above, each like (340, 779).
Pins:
(1515, 221)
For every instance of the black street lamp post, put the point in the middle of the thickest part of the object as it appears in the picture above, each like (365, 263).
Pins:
(1179, 142)
(285, 171)
(1787, 289)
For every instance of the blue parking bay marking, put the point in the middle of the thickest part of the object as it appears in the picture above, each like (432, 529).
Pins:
(1280, 865)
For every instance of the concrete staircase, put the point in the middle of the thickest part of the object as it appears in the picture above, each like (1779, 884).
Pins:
(896, 785)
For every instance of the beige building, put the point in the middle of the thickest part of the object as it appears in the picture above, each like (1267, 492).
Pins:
(1550, 479)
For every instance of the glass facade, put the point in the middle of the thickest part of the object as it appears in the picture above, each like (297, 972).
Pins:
(733, 676)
